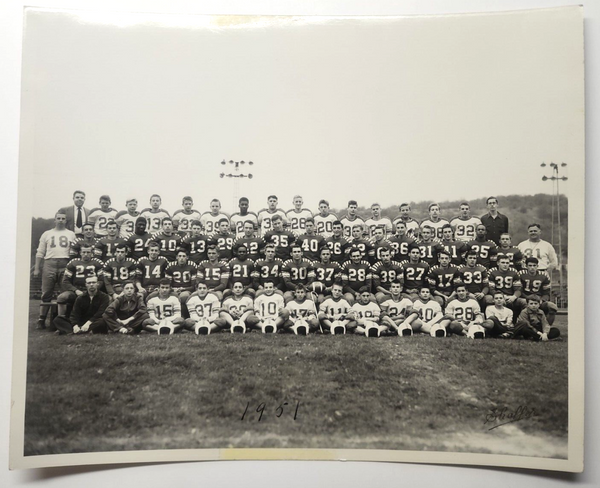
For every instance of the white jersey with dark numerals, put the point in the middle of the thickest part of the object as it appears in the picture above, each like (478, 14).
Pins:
(437, 226)
(203, 308)
(210, 222)
(464, 311)
(183, 221)
(297, 220)
(238, 220)
(126, 223)
(370, 311)
(242, 305)
(268, 306)
(265, 219)
(464, 230)
(335, 308)
(55, 244)
(324, 225)
(394, 308)
(382, 222)
(100, 219)
(163, 309)
(154, 219)
(427, 310)
(301, 310)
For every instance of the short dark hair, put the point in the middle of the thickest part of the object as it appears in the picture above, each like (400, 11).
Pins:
(491, 198)
(352, 202)
(532, 260)
(78, 191)
(535, 224)
(165, 281)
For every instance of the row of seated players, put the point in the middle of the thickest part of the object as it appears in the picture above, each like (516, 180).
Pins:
(311, 243)
(318, 277)
(268, 313)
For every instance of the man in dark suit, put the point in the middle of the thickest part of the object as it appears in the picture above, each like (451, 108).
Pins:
(77, 214)
(495, 223)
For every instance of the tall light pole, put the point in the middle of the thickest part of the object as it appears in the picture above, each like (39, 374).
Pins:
(236, 176)
(556, 178)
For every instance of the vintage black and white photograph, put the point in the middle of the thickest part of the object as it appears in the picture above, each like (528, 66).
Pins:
(341, 233)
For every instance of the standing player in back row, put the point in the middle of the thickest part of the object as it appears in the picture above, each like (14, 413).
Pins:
(377, 221)
(351, 219)
(154, 215)
(126, 219)
(101, 216)
(412, 226)
(182, 219)
(239, 219)
(298, 215)
(464, 225)
(435, 221)
(210, 220)
(266, 215)
(324, 219)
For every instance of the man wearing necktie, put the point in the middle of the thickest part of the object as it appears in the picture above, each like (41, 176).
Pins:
(77, 214)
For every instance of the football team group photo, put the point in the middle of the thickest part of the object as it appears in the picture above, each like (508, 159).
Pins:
(276, 270)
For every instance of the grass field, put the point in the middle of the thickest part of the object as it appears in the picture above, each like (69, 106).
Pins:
(106, 393)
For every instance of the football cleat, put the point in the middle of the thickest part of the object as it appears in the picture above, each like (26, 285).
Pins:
(476, 332)
(238, 327)
(553, 333)
(438, 331)
(405, 331)
(337, 328)
(41, 324)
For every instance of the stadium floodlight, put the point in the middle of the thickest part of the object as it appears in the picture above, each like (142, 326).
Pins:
(223, 162)
(236, 176)
(556, 195)
(222, 175)
(250, 175)
(543, 165)
(250, 163)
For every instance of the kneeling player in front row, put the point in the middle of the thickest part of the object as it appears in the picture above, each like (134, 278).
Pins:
(427, 316)
(269, 312)
(395, 310)
(333, 311)
(164, 311)
(465, 315)
(303, 313)
(236, 309)
(365, 315)
(204, 308)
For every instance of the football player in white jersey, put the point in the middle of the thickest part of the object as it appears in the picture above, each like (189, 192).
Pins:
(298, 215)
(203, 308)
(182, 219)
(101, 216)
(210, 220)
(395, 309)
(237, 308)
(351, 219)
(465, 225)
(427, 315)
(364, 316)
(266, 214)
(333, 311)
(324, 219)
(126, 219)
(164, 311)
(303, 313)
(154, 215)
(377, 221)
(435, 221)
(412, 226)
(269, 310)
(53, 250)
(465, 314)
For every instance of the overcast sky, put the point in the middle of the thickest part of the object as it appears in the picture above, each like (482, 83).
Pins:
(390, 110)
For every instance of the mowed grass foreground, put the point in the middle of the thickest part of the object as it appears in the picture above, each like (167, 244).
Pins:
(107, 393)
